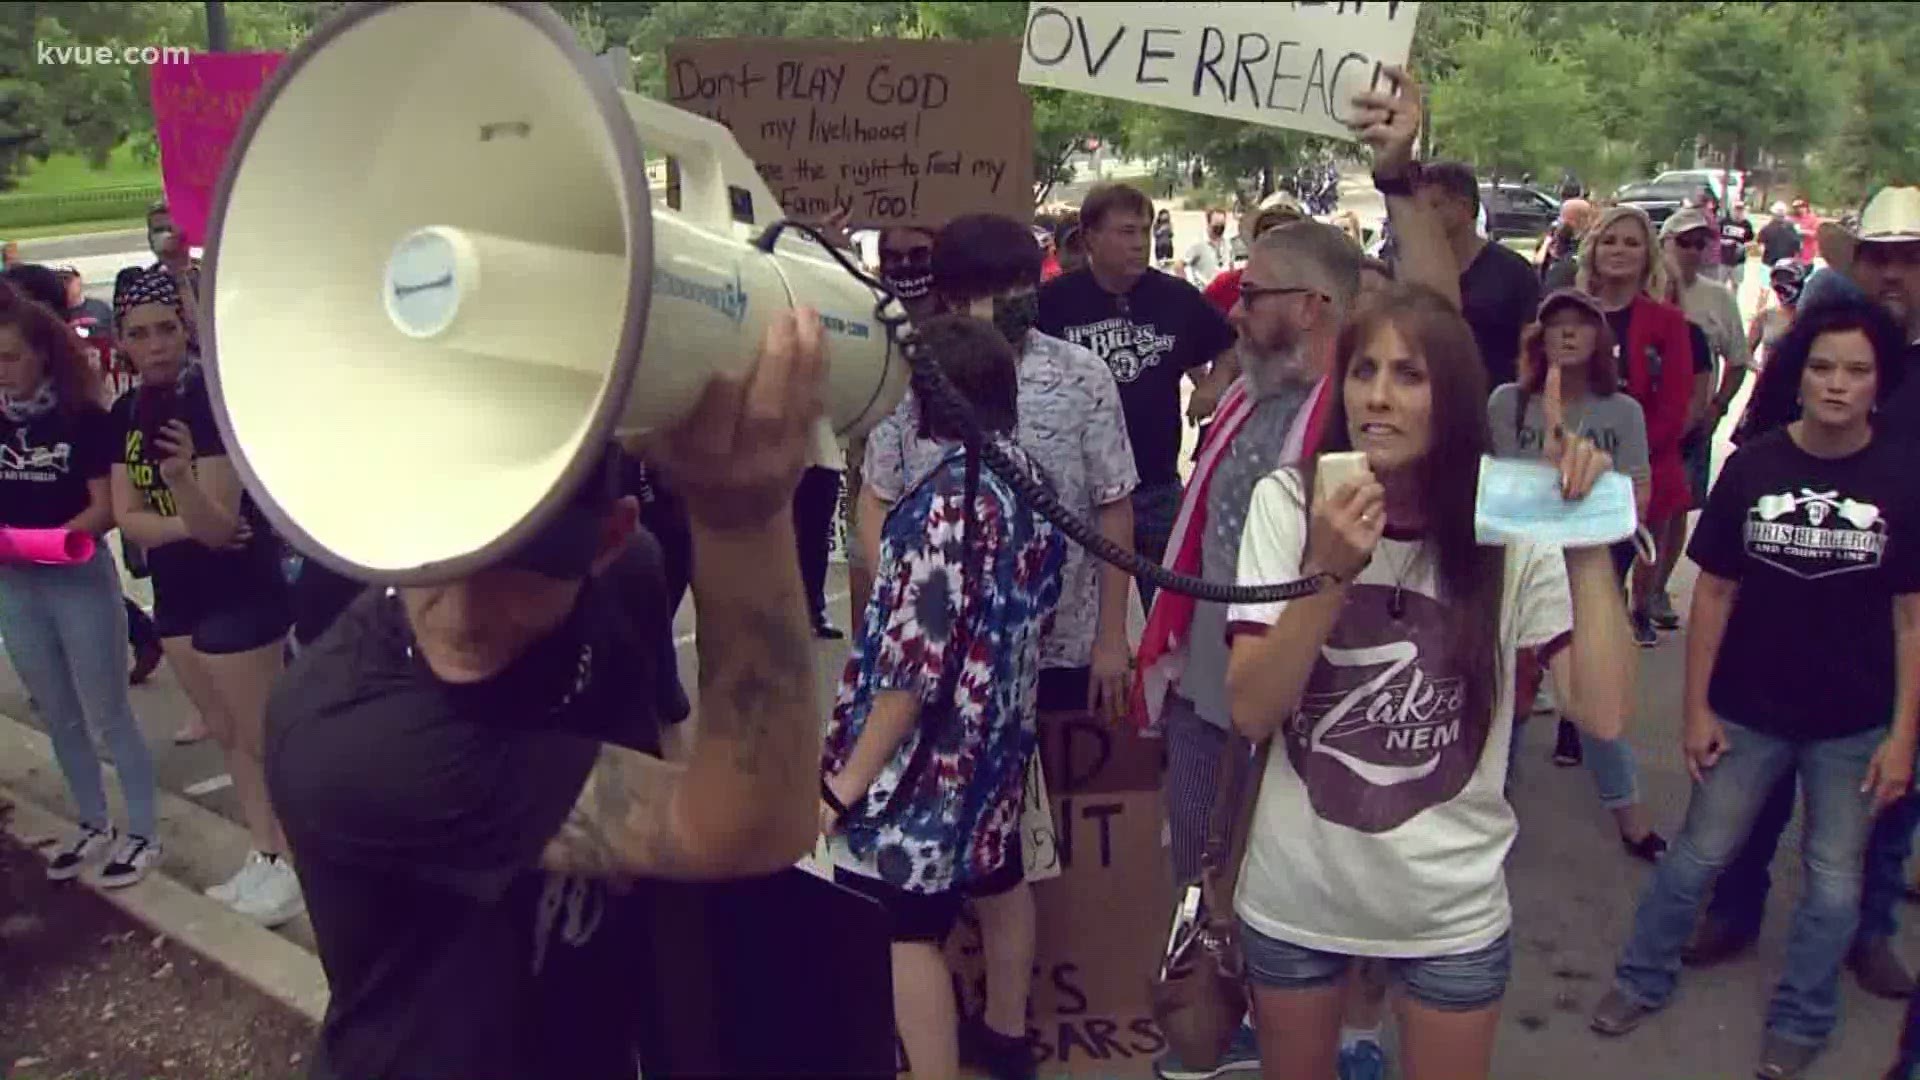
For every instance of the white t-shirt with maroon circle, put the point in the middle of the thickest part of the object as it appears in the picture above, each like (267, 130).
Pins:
(1382, 826)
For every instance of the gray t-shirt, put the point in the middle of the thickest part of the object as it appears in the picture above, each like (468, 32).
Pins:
(1255, 453)
(1614, 422)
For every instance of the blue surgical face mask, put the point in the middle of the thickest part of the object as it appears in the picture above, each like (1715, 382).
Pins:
(1520, 502)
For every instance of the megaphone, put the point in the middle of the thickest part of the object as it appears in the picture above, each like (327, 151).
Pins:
(440, 284)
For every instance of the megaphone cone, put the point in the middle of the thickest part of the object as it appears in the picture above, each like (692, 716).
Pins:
(439, 284)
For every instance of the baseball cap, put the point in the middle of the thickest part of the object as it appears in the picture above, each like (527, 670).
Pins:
(565, 547)
(1564, 297)
(1684, 220)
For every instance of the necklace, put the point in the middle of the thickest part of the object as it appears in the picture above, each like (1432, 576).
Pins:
(1397, 600)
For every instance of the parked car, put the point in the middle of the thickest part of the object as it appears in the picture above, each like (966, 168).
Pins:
(1726, 185)
(1659, 198)
(1517, 210)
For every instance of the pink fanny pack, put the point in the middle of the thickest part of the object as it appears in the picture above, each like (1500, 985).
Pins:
(47, 547)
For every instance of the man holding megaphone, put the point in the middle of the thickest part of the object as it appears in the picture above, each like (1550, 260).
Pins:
(461, 773)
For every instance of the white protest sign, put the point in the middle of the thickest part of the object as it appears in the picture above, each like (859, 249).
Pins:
(1288, 65)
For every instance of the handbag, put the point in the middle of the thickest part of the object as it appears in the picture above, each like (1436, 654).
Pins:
(1199, 993)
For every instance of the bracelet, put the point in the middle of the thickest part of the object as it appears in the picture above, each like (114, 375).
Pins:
(833, 801)
(1401, 185)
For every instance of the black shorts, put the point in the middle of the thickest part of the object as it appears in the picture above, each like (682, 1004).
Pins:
(221, 625)
(920, 918)
(1012, 872)
(1064, 690)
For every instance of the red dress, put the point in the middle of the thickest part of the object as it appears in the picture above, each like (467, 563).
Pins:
(1656, 369)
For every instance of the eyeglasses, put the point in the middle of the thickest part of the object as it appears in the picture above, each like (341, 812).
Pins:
(1251, 293)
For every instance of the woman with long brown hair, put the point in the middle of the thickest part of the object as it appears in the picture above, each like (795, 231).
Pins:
(65, 626)
(1569, 352)
(1381, 826)
(1621, 266)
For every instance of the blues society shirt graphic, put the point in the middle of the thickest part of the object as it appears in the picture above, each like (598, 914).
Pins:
(1819, 548)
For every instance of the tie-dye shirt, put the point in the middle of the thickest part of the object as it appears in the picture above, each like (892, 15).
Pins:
(953, 819)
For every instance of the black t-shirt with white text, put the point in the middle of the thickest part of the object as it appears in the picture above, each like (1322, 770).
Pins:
(187, 566)
(45, 464)
(1498, 294)
(1735, 235)
(1162, 329)
(417, 812)
(1819, 548)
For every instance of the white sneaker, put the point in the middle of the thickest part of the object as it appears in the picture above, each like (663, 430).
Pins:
(78, 853)
(273, 897)
(129, 863)
(230, 890)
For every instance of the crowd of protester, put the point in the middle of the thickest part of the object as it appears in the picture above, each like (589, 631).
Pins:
(1373, 872)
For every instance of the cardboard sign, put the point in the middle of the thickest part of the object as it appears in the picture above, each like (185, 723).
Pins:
(888, 132)
(197, 109)
(1103, 920)
(1288, 65)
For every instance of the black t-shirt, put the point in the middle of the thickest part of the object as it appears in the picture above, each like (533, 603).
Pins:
(1498, 294)
(1735, 235)
(1779, 240)
(1819, 548)
(45, 464)
(186, 566)
(417, 812)
(1162, 329)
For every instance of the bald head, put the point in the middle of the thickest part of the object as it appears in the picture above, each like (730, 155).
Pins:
(1310, 253)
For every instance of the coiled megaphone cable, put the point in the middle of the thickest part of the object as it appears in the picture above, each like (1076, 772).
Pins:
(1035, 492)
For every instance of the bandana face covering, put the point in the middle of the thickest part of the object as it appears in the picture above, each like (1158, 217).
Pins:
(910, 286)
(31, 407)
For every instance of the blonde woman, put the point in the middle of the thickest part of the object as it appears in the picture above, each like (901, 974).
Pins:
(1621, 267)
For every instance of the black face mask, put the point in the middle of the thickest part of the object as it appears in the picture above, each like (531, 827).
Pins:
(1015, 315)
(911, 285)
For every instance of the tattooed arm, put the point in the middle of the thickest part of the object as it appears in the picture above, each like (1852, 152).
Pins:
(743, 804)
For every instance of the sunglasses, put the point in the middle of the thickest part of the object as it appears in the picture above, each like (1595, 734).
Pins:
(1692, 241)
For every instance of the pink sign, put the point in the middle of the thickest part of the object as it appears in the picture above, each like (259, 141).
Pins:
(197, 110)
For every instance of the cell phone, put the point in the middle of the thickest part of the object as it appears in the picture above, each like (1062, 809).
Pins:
(1335, 470)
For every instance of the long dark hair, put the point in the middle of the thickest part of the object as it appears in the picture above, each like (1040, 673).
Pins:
(1776, 401)
(1471, 576)
(76, 384)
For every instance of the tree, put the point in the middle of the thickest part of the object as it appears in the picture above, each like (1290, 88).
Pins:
(1875, 141)
(1511, 106)
(1740, 78)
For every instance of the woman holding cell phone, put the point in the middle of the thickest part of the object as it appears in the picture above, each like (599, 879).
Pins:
(65, 628)
(1381, 826)
(1569, 380)
(220, 597)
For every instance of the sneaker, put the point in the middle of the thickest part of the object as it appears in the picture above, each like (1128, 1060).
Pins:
(1002, 1057)
(130, 862)
(1363, 1060)
(230, 890)
(273, 897)
(1650, 848)
(1618, 1014)
(87, 845)
(1566, 746)
(1644, 635)
(1660, 610)
(1242, 1056)
(1784, 1060)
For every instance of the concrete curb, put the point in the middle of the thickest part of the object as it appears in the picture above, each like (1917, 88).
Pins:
(267, 961)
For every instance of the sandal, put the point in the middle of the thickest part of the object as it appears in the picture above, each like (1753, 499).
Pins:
(1648, 848)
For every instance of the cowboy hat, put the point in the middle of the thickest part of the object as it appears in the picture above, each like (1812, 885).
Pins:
(1892, 216)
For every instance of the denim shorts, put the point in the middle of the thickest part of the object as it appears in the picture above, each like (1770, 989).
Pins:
(1463, 983)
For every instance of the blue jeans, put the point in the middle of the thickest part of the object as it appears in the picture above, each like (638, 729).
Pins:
(1806, 1004)
(1740, 897)
(66, 632)
(1614, 772)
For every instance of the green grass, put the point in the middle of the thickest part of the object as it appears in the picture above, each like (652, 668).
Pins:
(74, 228)
(65, 173)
